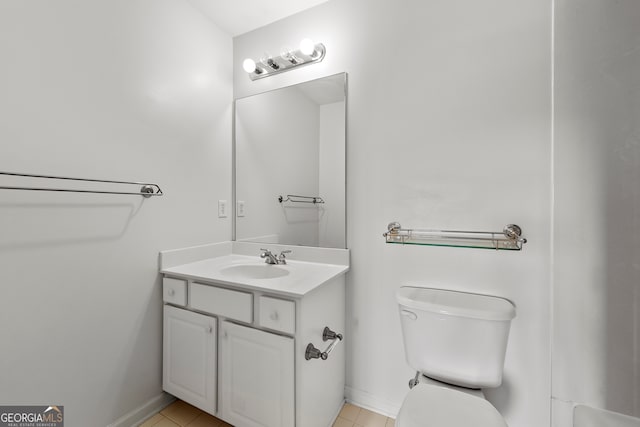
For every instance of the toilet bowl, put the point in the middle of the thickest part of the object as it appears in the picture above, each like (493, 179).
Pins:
(457, 341)
(429, 405)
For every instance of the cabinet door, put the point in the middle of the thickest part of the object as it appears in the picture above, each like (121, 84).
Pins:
(256, 377)
(189, 357)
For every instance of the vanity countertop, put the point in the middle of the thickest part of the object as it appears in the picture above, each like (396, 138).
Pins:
(294, 279)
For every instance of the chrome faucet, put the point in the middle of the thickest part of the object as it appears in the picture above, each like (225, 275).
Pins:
(270, 258)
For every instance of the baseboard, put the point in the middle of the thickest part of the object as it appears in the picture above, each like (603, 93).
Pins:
(371, 402)
(144, 412)
(585, 416)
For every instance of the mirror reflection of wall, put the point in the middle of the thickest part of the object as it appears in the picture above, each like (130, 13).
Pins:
(291, 141)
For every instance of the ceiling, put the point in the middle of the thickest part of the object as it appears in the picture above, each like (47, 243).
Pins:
(240, 16)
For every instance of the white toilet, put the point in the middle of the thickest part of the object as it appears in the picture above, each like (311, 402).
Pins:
(456, 341)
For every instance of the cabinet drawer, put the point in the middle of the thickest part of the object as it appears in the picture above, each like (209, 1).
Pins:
(278, 314)
(224, 302)
(174, 291)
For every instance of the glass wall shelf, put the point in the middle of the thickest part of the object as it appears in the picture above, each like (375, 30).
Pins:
(509, 239)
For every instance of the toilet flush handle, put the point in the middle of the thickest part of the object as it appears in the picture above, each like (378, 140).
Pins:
(410, 314)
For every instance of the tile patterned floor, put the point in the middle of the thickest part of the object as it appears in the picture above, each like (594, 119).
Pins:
(181, 414)
(354, 416)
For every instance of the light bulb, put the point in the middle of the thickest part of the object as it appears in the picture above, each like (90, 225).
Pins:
(249, 65)
(307, 47)
(287, 54)
(268, 61)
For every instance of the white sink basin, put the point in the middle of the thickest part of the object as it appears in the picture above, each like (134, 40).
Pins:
(254, 271)
(294, 279)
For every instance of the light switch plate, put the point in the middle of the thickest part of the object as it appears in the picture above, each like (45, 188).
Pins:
(240, 208)
(222, 208)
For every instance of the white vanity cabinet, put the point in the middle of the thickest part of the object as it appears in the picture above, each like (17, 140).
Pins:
(256, 377)
(249, 345)
(189, 357)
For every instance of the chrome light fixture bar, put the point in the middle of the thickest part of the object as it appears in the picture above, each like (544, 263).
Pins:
(308, 52)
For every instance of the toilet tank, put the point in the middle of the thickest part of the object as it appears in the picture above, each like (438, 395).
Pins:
(455, 337)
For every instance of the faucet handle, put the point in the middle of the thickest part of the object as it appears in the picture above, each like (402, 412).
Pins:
(281, 258)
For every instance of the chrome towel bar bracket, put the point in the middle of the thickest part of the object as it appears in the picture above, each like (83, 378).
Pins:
(146, 190)
(301, 199)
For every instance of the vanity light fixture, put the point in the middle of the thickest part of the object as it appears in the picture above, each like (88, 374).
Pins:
(249, 65)
(308, 52)
(307, 47)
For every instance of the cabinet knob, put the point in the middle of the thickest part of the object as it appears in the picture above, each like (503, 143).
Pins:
(274, 316)
(210, 329)
(172, 292)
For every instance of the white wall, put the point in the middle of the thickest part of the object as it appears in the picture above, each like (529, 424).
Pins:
(331, 183)
(277, 154)
(115, 90)
(596, 343)
(448, 127)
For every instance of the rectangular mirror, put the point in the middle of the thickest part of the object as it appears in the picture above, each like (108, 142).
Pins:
(290, 169)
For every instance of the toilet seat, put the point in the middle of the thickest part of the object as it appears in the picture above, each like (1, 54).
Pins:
(429, 405)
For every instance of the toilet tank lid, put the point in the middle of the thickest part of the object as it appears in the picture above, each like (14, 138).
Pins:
(455, 303)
